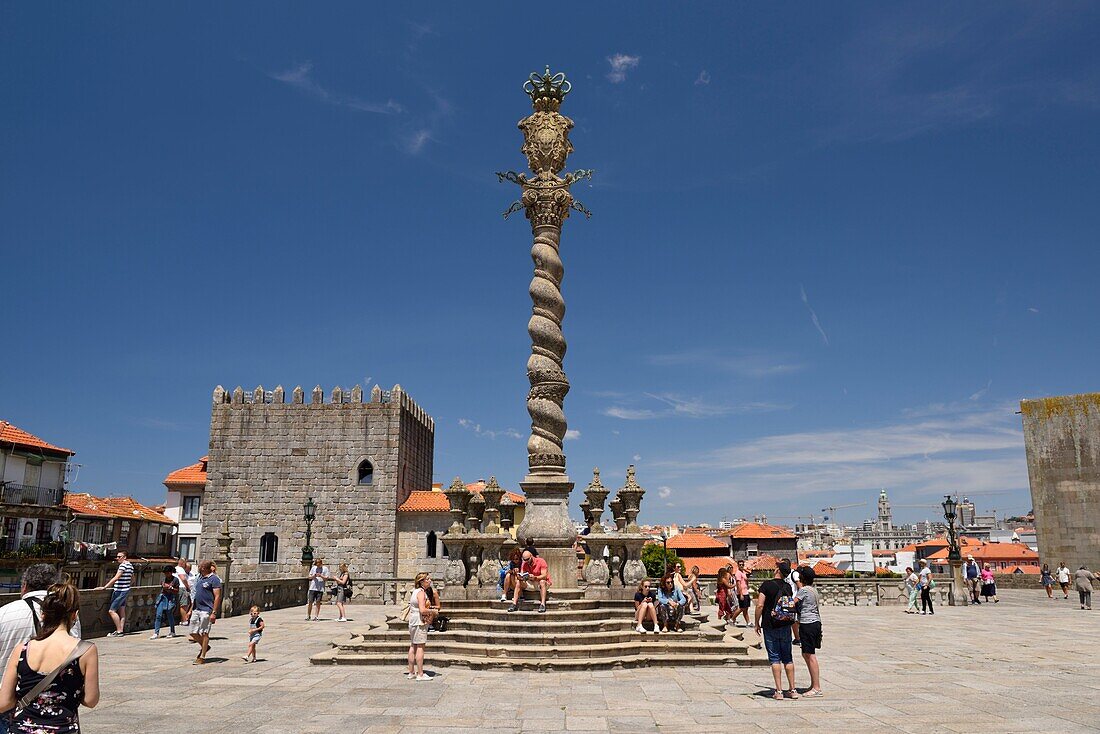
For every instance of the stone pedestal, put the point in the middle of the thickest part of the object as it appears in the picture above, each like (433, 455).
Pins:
(960, 592)
(546, 522)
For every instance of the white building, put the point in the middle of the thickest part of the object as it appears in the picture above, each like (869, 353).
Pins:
(859, 558)
(33, 474)
(184, 506)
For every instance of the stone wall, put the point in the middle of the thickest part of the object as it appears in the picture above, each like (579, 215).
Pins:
(268, 456)
(412, 543)
(1062, 439)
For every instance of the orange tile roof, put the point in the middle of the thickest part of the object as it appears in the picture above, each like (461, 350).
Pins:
(1022, 569)
(754, 530)
(126, 508)
(695, 541)
(824, 568)
(708, 565)
(428, 500)
(761, 563)
(883, 553)
(189, 476)
(911, 548)
(19, 437)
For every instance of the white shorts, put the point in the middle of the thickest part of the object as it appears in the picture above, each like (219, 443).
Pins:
(200, 623)
(418, 634)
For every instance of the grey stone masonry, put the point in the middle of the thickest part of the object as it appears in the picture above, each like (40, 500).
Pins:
(1062, 438)
(267, 457)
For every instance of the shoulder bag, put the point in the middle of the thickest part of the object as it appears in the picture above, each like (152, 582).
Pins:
(81, 647)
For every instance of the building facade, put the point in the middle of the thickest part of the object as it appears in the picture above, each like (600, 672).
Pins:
(357, 459)
(1062, 441)
(184, 505)
(33, 473)
(751, 539)
(883, 534)
(102, 526)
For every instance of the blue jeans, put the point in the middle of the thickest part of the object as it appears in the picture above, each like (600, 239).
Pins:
(500, 580)
(777, 641)
(166, 605)
(118, 599)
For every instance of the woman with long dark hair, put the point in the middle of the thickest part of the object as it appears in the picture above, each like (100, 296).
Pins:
(48, 678)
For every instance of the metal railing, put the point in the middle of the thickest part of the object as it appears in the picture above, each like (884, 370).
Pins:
(22, 494)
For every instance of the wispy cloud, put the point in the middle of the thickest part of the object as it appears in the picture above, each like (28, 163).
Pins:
(572, 434)
(813, 315)
(703, 78)
(982, 393)
(415, 142)
(476, 428)
(674, 405)
(620, 64)
(959, 449)
(746, 364)
(161, 424)
(1032, 309)
(664, 492)
(301, 78)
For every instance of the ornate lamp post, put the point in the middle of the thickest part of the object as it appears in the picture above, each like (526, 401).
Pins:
(959, 597)
(546, 201)
(310, 514)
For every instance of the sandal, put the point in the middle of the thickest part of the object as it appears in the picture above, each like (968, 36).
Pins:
(812, 694)
(791, 694)
(778, 695)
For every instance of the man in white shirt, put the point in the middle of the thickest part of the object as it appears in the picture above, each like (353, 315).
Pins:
(20, 619)
(182, 568)
(1063, 578)
(318, 575)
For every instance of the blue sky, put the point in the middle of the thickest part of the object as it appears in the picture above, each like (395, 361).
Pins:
(831, 247)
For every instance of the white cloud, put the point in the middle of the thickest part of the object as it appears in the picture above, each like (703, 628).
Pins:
(664, 492)
(813, 315)
(629, 414)
(1033, 309)
(637, 457)
(746, 364)
(981, 393)
(703, 78)
(620, 65)
(469, 425)
(301, 78)
(924, 454)
(572, 434)
(686, 407)
(415, 142)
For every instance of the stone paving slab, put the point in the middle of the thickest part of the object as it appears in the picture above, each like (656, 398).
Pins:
(1024, 665)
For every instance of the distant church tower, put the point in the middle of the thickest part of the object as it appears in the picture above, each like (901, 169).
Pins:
(885, 520)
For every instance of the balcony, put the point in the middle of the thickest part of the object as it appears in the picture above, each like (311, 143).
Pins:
(21, 494)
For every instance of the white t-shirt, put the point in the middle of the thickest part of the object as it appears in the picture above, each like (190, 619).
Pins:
(414, 607)
(925, 577)
(182, 576)
(317, 578)
(792, 581)
(1063, 575)
(193, 577)
(911, 582)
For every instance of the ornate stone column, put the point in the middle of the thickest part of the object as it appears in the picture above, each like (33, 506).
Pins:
(546, 201)
(492, 495)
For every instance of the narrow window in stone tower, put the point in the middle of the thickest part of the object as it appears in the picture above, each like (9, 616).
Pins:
(366, 473)
(432, 541)
(269, 548)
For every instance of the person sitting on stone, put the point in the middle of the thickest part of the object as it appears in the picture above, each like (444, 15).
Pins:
(670, 606)
(533, 574)
(507, 580)
(645, 607)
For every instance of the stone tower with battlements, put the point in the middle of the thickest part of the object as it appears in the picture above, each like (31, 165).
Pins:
(358, 457)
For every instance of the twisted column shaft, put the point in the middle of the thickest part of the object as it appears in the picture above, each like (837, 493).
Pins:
(545, 370)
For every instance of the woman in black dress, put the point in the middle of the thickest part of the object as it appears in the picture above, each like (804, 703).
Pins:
(54, 709)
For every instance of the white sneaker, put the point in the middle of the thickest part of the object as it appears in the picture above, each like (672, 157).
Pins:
(503, 597)
(640, 629)
(409, 676)
(422, 677)
(341, 619)
(656, 631)
(157, 637)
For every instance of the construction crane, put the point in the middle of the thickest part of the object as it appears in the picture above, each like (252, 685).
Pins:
(830, 511)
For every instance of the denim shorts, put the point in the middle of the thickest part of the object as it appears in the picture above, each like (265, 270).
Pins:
(118, 599)
(777, 641)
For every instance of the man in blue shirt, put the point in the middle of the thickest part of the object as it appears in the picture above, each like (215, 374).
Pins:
(207, 600)
(973, 578)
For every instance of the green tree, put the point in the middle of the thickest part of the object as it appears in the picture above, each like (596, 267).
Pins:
(656, 559)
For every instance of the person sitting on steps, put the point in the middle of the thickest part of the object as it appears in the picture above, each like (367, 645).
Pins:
(533, 573)
(670, 606)
(645, 607)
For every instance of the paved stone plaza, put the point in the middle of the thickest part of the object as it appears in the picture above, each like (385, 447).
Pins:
(1024, 665)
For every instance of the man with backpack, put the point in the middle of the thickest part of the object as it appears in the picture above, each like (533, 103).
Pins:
(775, 613)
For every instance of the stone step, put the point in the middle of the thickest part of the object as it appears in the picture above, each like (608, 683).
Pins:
(500, 613)
(398, 659)
(578, 604)
(363, 640)
(536, 624)
(640, 646)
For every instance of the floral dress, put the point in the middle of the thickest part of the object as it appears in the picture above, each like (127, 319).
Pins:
(55, 709)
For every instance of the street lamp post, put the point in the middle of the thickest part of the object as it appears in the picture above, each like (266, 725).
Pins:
(310, 513)
(954, 553)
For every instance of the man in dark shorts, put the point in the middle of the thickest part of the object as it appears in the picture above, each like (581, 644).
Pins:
(776, 630)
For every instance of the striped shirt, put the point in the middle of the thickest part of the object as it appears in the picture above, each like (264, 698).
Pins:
(126, 576)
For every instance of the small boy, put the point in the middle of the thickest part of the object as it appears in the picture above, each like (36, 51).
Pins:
(255, 632)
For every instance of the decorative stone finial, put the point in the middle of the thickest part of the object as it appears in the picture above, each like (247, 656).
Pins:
(457, 497)
(298, 396)
(595, 495)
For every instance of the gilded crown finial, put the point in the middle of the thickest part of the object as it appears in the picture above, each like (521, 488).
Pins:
(547, 86)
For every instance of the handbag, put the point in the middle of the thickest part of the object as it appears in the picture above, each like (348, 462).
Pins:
(21, 705)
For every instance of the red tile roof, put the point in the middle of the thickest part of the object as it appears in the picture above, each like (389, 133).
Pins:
(19, 437)
(695, 541)
(125, 508)
(425, 500)
(755, 530)
(824, 568)
(761, 563)
(708, 565)
(189, 476)
(1022, 569)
